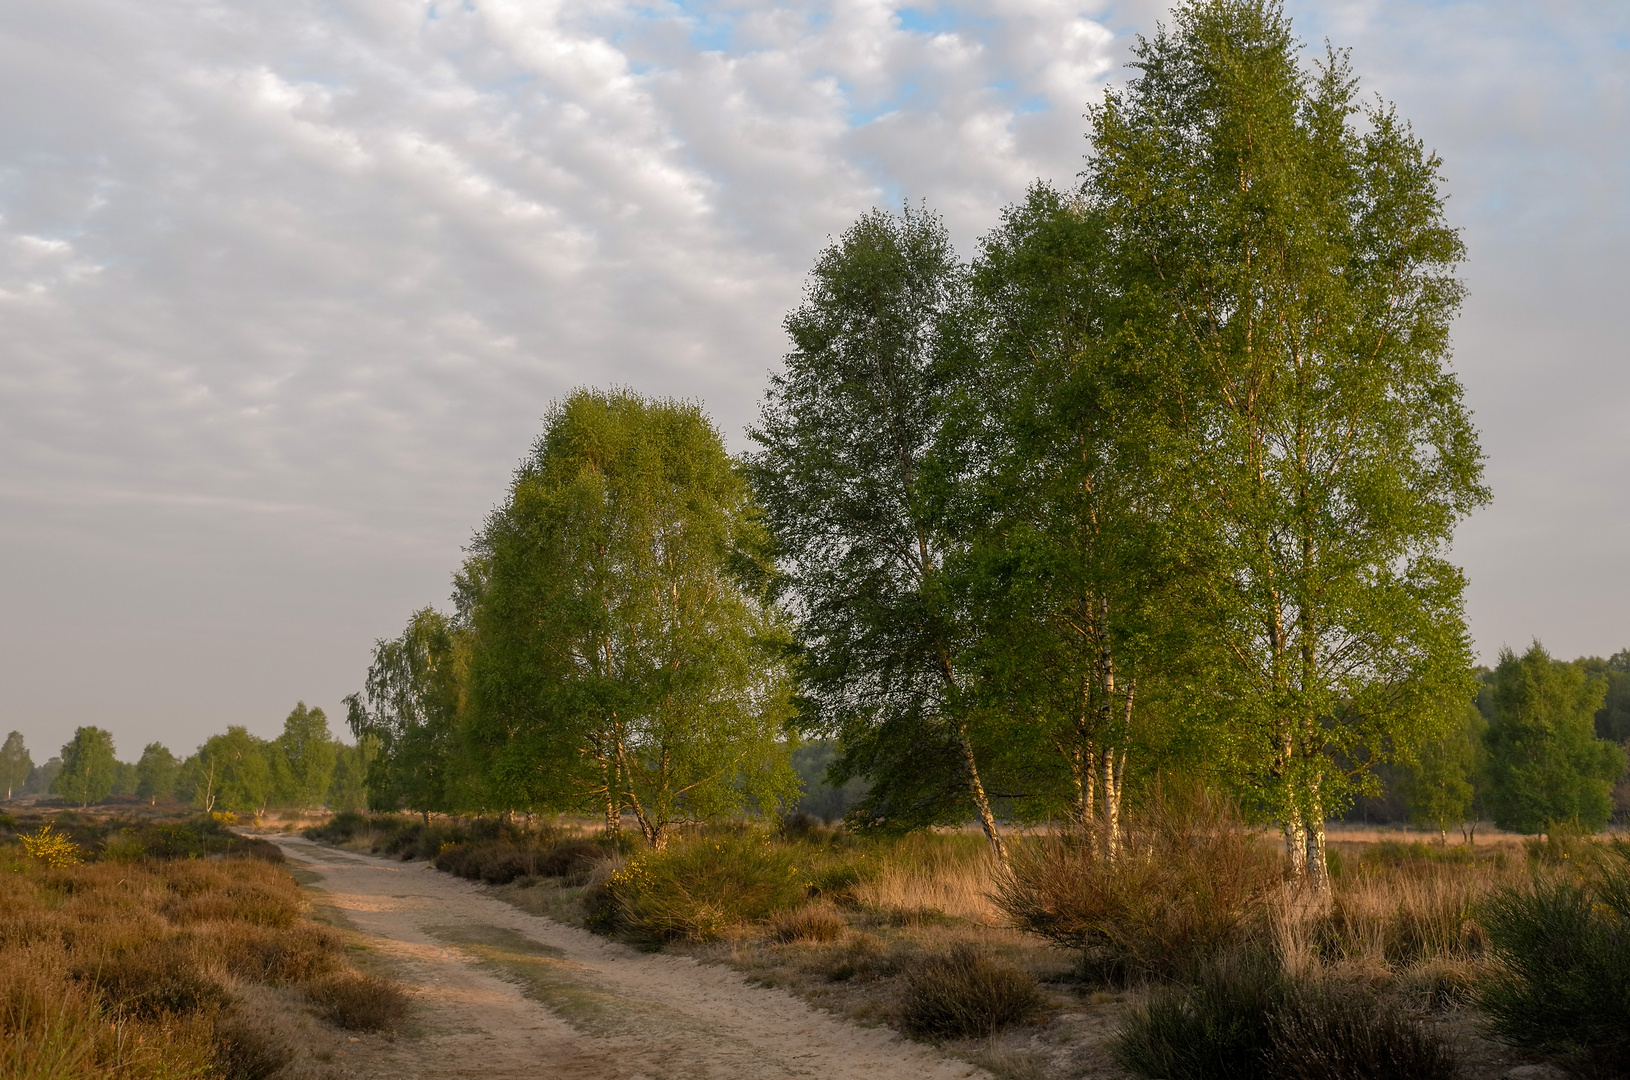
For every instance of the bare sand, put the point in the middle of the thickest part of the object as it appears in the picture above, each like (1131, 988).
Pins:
(501, 993)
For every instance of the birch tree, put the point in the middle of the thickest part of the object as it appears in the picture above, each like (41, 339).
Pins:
(15, 763)
(853, 474)
(626, 641)
(1077, 566)
(1292, 249)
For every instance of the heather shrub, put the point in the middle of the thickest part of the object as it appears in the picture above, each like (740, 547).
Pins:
(1241, 1017)
(699, 889)
(358, 1001)
(248, 1047)
(1562, 946)
(965, 994)
(1188, 883)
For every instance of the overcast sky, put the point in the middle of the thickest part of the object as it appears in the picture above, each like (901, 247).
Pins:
(286, 286)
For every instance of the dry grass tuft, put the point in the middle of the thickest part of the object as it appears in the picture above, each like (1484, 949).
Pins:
(359, 1002)
(817, 922)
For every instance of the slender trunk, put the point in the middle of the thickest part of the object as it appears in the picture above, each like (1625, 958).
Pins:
(426, 814)
(976, 788)
(1114, 773)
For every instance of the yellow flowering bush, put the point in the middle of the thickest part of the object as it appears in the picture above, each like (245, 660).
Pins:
(51, 847)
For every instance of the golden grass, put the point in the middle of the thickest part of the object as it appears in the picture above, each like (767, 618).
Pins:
(132, 969)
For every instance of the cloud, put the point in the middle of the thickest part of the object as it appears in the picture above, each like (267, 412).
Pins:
(284, 288)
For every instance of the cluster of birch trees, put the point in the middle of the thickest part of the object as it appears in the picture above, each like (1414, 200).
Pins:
(1160, 482)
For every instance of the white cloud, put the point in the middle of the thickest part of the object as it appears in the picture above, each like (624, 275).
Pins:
(284, 288)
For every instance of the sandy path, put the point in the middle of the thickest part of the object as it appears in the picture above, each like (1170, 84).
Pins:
(501, 993)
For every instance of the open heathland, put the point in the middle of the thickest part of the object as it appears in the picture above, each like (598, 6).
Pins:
(142, 948)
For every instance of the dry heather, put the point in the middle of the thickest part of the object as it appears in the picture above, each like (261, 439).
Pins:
(143, 967)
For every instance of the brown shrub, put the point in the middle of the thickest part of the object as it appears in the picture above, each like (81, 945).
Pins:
(359, 1002)
(247, 902)
(862, 959)
(263, 954)
(248, 1046)
(158, 979)
(1188, 883)
(817, 922)
(963, 994)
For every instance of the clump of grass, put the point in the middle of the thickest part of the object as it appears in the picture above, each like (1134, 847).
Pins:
(1188, 883)
(1562, 944)
(358, 1001)
(816, 922)
(699, 890)
(964, 994)
(862, 959)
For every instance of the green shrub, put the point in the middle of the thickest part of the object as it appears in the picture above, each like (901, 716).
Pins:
(699, 890)
(964, 994)
(1218, 1028)
(1242, 1018)
(1563, 948)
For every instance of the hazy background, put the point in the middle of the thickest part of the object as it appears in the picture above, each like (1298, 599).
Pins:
(285, 287)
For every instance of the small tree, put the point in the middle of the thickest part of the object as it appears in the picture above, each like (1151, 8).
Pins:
(231, 772)
(89, 768)
(410, 717)
(1546, 765)
(348, 789)
(15, 763)
(156, 773)
(1441, 787)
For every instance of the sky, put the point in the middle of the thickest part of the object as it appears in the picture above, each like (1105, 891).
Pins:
(285, 288)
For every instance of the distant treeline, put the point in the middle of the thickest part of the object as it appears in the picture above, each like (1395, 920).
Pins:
(1156, 488)
(304, 767)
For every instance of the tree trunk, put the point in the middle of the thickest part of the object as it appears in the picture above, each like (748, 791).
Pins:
(1318, 870)
(976, 788)
(1296, 845)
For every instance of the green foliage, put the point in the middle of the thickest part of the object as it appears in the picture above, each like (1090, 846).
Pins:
(1440, 787)
(156, 772)
(231, 771)
(15, 764)
(698, 889)
(853, 472)
(1563, 943)
(303, 758)
(408, 719)
(628, 654)
(1546, 765)
(88, 767)
(348, 789)
(1287, 250)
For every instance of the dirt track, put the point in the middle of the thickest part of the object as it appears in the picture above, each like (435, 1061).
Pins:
(500, 993)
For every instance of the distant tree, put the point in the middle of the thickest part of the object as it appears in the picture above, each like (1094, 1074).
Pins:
(88, 767)
(852, 470)
(1441, 785)
(348, 788)
(304, 757)
(41, 779)
(627, 654)
(156, 773)
(15, 763)
(1613, 718)
(124, 778)
(231, 771)
(1546, 765)
(411, 712)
